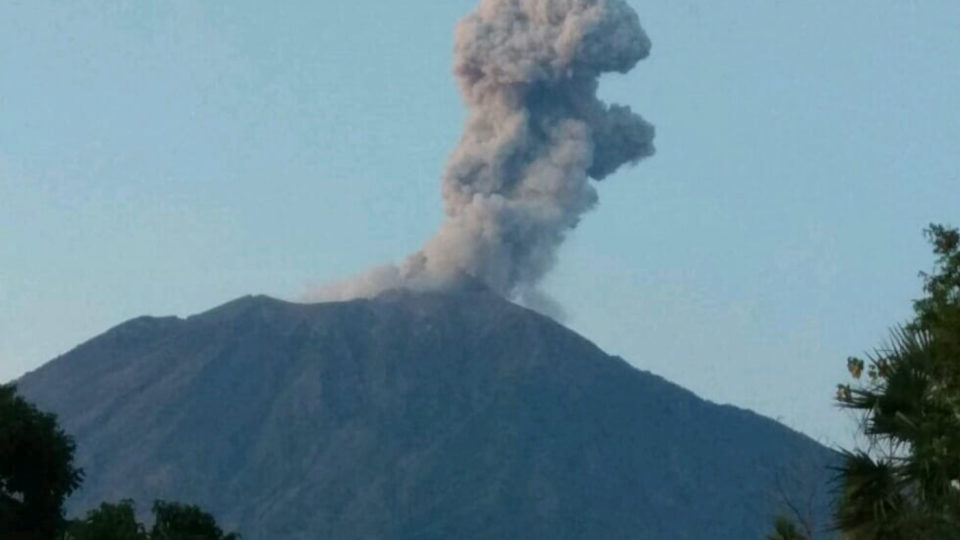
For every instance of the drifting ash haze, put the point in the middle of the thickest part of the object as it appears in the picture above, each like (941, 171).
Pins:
(536, 133)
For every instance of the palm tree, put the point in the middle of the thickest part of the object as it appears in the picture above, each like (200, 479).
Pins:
(906, 483)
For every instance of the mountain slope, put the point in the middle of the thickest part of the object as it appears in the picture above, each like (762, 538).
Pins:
(454, 415)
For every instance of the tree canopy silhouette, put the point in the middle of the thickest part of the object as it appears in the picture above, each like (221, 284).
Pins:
(36, 469)
(37, 474)
(906, 483)
(172, 521)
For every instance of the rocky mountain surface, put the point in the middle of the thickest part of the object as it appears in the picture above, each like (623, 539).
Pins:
(413, 416)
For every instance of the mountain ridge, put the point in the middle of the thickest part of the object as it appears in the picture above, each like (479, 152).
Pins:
(410, 415)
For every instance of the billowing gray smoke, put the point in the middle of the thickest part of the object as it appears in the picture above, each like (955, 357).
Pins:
(518, 182)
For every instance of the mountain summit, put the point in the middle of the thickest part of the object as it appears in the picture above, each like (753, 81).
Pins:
(414, 416)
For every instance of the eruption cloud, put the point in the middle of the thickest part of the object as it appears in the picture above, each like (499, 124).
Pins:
(536, 133)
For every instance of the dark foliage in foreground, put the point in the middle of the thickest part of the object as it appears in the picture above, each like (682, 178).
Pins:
(905, 484)
(36, 469)
(37, 474)
(172, 521)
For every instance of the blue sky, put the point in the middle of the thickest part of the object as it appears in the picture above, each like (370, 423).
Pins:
(164, 157)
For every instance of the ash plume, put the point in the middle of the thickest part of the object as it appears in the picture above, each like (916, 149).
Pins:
(536, 133)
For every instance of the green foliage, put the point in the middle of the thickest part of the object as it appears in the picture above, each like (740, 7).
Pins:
(784, 529)
(906, 484)
(172, 521)
(36, 469)
(939, 311)
(175, 521)
(110, 521)
(37, 475)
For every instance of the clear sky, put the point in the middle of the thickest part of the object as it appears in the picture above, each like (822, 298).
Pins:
(164, 157)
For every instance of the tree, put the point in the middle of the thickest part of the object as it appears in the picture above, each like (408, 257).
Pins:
(36, 469)
(109, 521)
(175, 521)
(785, 529)
(37, 475)
(906, 483)
(172, 521)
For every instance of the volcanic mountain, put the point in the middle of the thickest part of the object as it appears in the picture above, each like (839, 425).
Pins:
(413, 416)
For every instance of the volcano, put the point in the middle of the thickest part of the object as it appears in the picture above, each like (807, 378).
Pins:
(434, 415)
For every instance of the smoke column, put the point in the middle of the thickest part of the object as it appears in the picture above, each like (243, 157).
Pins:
(536, 134)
